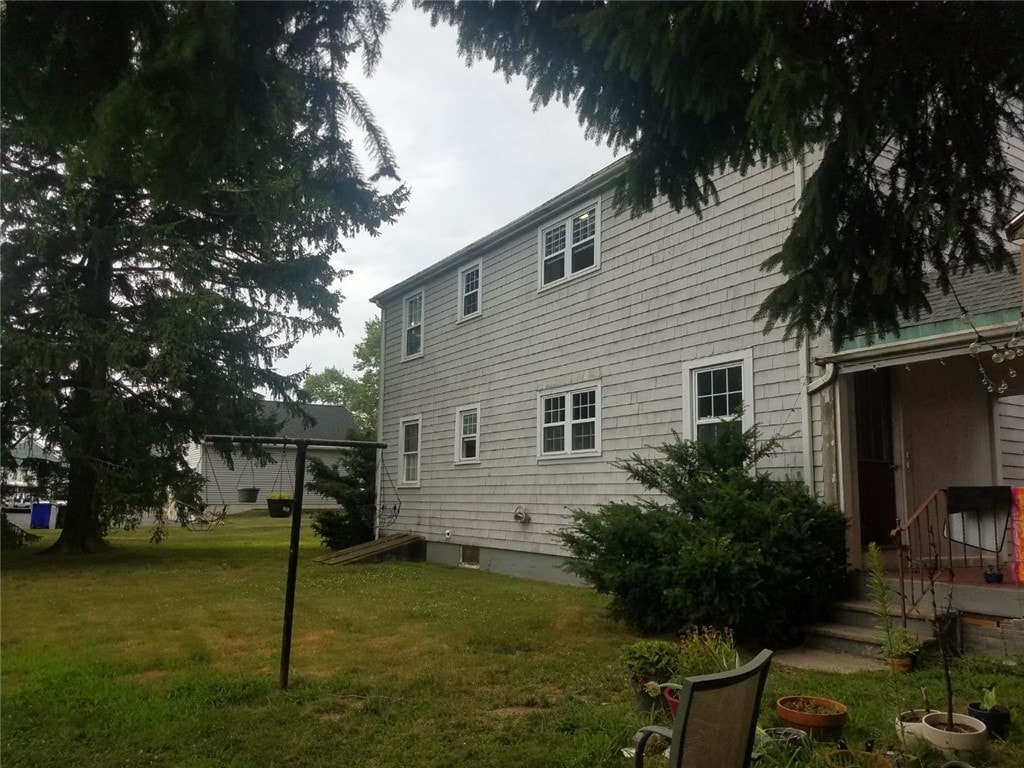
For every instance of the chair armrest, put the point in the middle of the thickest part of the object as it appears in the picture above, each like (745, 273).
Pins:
(641, 743)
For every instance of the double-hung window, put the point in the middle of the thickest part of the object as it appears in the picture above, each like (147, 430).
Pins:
(571, 246)
(470, 278)
(412, 326)
(467, 435)
(570, 422)
(409, 437)
(716, 390)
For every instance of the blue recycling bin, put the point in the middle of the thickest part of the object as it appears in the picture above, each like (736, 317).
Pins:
(40, 516)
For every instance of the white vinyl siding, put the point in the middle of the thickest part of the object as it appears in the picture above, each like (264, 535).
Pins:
(570, 246)
(569, 423)
(410, 436)
(713, 390)
(470, 291)
(467, 435)
(412, 325)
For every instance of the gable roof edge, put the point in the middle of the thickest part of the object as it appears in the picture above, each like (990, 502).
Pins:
(576, 193)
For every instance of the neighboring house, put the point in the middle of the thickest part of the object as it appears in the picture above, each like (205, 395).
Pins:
(21, 484)
(516, 371)
(330, 422)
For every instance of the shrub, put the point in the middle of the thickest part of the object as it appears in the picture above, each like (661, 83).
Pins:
(650, 661)
(13, 537)
(352, 483)
(725, 547)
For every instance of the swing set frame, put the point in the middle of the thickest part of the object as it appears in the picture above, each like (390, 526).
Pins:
(293, 548)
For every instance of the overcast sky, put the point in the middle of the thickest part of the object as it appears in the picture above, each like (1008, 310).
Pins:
(474, 154)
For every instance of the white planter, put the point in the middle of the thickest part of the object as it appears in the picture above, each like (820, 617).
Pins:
(906, 729)
(954, 744)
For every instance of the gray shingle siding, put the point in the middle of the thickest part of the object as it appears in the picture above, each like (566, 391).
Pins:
(671, 288)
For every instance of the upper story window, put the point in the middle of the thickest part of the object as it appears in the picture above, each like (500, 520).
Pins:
(467, 431)
(412, 326)
(409, 434)
(570, 422)
(571, 246)
(470, 279)
(715, 389)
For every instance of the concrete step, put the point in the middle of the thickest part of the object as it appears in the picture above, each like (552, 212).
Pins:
(862, 613)
(843, 638)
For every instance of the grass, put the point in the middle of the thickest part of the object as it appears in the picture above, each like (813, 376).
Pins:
(168, 655)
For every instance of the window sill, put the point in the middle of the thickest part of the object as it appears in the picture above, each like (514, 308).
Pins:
(407, 358)
(461, 462)
(552, 457)
(575, 276)
(468, 318)
(409, 485)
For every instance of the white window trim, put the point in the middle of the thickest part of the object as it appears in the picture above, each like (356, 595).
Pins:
(418, 420)
(477, 265)
(405, 324)
(568, 392)
(458, 434)
(565, 221)
(744, 358)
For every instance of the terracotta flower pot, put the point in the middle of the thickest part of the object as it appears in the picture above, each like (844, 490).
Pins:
(901, 664)
(970, 736)
(672, 697)
(814, 715)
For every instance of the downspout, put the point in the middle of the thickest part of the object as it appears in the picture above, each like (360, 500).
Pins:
(380, 428)
(805, 354)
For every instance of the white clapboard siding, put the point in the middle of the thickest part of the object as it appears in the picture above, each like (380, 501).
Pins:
(222, 483)
(1011, 439)
(671, 288)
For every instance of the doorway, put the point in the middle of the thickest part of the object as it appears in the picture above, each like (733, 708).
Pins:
(876, 470)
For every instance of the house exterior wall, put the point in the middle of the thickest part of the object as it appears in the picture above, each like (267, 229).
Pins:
(1010, 412)
(222, 482)
(671, 291)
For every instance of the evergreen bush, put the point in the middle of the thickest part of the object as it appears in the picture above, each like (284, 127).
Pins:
(351, 481)
(721, 545)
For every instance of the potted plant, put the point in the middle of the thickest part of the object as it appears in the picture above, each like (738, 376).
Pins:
(700, 651)
(954, 734)
(993, 576)
(279, 504)
(994, 715)
(649, 663)
(815, 715)
(248, 495)
(899, 646)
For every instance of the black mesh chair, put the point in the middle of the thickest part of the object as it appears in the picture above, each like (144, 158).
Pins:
(717, 718)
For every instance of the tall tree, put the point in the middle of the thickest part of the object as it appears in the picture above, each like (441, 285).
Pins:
(176, 177)
(359, 395)
(910, 105)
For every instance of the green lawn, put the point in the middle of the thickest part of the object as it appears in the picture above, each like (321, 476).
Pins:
(168, 655)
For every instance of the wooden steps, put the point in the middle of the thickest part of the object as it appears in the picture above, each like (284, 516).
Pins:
(406, 546)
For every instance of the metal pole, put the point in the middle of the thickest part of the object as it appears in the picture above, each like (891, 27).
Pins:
(293, 562)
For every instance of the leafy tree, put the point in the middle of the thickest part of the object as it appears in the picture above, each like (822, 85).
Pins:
(910, 106)
(176, 177)
(358, 395)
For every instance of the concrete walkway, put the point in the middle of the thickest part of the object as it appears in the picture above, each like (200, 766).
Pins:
(827, 661)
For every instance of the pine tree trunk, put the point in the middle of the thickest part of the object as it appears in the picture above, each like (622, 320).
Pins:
(84, 527)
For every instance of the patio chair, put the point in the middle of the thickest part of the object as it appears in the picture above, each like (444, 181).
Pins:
(717, 718)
